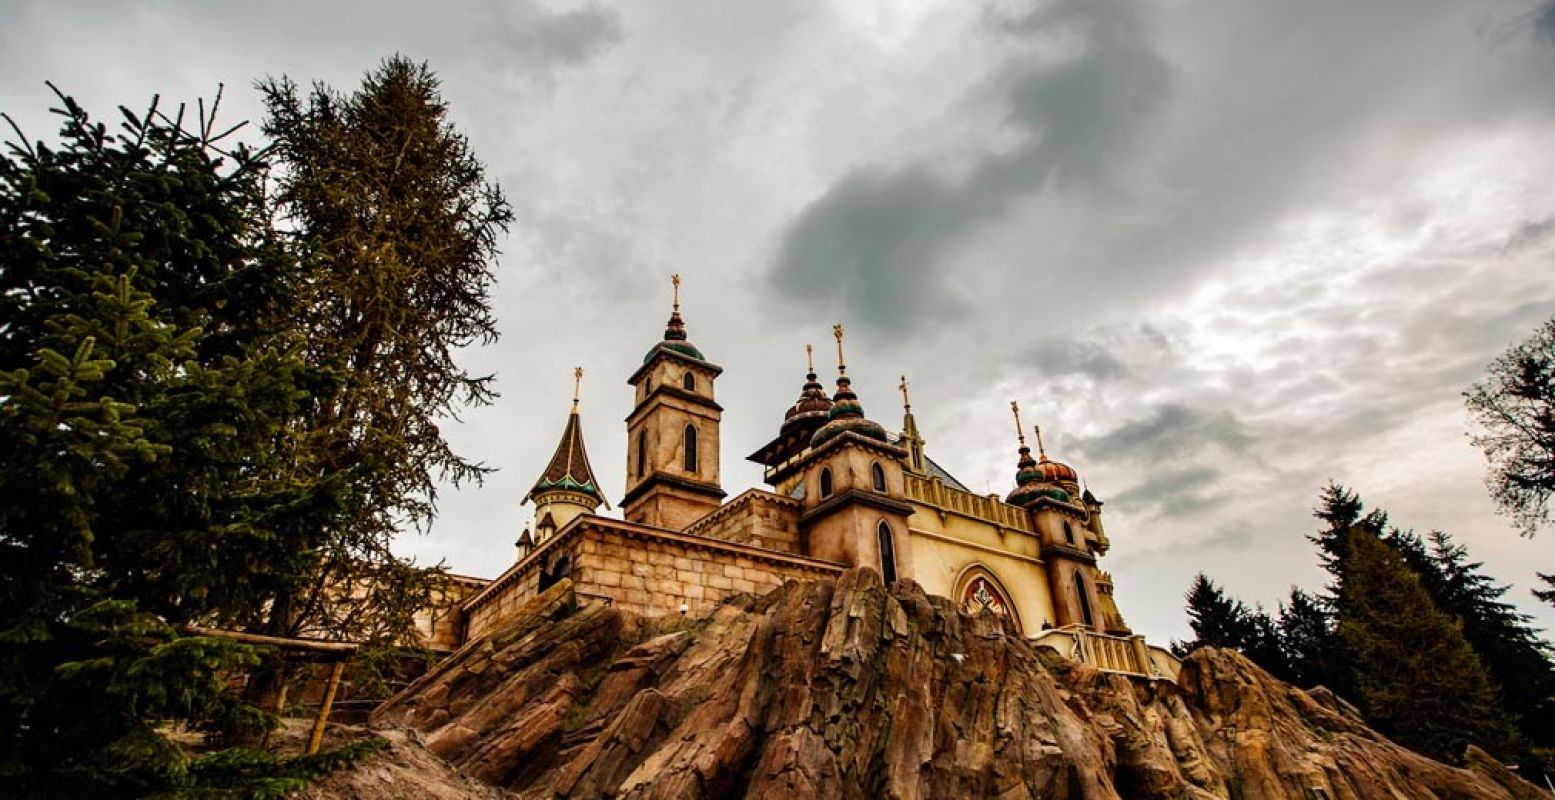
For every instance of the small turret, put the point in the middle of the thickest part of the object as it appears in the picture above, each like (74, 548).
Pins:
(911, 439)
(525, 544)
(567, 487)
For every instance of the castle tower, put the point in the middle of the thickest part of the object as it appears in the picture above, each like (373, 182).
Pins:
(672, 475)
(853, 507)
(800, 422)
(567, 488)
(1070, 542)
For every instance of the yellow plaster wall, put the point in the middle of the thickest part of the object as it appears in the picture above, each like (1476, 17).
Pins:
(945, 546)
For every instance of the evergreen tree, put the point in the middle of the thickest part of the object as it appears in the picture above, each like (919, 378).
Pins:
(394, 215)
(145, 413)
(1218, 620)
(1416, 677)
(1547, 595)
(1307, 639)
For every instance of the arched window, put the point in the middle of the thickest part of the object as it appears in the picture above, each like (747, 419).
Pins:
(1085, 601)
(1068, 532)
(887, 553)
(826, 482)
(689, 382)
(642, 453)
(691, 448)
(878, 474)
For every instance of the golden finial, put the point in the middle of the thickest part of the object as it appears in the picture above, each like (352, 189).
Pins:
(842, 364)
(1041, 451)
(1020, 432)
(809, 357)
(675, 289)
(906, 402)
(577, 383)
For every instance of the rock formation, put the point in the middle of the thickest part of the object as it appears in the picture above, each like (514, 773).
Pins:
(843, 689)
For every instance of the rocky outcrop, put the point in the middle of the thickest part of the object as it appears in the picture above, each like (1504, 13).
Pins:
(843, 689)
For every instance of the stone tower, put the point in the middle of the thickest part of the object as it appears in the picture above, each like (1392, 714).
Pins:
(672, 475)
(567, 488)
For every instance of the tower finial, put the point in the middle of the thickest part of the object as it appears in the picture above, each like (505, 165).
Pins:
(842, 363)
(675, 290)
(1041, 451)
(1020, 431)
(906, 401)
(577, 384)
(809, 357)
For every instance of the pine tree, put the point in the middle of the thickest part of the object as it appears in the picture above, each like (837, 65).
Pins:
(1218, 620)
(1547, 595)
(1417, 679)
(1307, 639)
(144, 415)
(393, 212)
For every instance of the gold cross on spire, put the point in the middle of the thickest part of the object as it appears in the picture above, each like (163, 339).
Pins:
(842, 364)
(809, 357)
(906, 402)
(577, 383)
(1020, 432)
(1042, 451)
(675, 289)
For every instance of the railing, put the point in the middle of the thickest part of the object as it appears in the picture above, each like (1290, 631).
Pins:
(934, 492)
(1126, 655)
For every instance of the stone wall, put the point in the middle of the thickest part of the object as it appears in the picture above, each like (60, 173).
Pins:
(757, 518)
(640, 569)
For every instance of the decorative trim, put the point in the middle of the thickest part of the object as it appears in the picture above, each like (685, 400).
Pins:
(688, 484)
(659, 351)
(676, 392)
(1068, 551)
(861, 497)
(975, 546)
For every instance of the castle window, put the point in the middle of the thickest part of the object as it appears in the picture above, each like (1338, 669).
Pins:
(826, 482)
(1068, 532)
(887, 553)
(691, 449)
(1085, 602)
(689, 382)
(878, 473)
(642, 453)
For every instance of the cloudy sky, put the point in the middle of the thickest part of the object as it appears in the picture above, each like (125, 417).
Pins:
(1223, 252)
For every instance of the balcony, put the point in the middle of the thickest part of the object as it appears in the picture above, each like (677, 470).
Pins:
(1123, 655)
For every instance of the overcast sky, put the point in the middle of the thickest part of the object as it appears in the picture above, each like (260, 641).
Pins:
(1222, 252)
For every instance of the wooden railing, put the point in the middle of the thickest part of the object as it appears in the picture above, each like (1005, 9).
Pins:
(934, 492)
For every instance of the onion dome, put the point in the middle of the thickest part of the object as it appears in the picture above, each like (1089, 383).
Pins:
(846, 414)
(675, 332)
(1034, 478)
(813, 404)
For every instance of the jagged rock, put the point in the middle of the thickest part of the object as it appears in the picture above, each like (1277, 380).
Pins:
(843, 689)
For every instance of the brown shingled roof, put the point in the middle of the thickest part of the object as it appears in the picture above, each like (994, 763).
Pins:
(569, 468)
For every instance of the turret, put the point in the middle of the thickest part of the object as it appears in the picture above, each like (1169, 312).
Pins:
(567, 488)
(912, 441)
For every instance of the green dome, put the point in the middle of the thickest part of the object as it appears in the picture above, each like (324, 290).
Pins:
(1025, 495)
(683, 348)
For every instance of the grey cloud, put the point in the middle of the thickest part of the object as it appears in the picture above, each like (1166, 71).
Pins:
(1544, 22)
(1172, 493)
(565, 37)
(896, 225)
(1536, 232)
(1171, 432)
(1059, 356)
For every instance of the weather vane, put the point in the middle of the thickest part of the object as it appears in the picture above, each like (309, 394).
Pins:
(577, 383)
(675, 289)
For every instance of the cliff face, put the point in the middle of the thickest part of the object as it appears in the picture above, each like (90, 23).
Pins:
(845, 690)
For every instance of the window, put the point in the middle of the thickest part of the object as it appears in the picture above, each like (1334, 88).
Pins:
(642, 453)
(878, 474)
(647, 384)
(1068, 532)
(689, 382)
(887, 553)
(1085, 601)
(691, 449)
(826, 482)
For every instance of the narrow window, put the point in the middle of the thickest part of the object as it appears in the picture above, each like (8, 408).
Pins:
(826, 482)
(1068, 532)
(887, 554)
(689, 381)
(647, 384)
(878, 473)
(642, 453)
(1085, 601)
(691, 449)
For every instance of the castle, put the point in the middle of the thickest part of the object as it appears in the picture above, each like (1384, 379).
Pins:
(843, 492)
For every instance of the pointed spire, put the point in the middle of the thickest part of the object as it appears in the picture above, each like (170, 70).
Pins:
(910, 435)
(1040, 449)
(846, 411)
(675, 331)
(568, 470)
(1020, 433)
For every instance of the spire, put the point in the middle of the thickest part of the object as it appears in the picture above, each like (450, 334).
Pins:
(569, 469)
(910, 435)
(675, 331)
(846, 411)
(1040, 449)
(1020, 434)
(813, 404)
